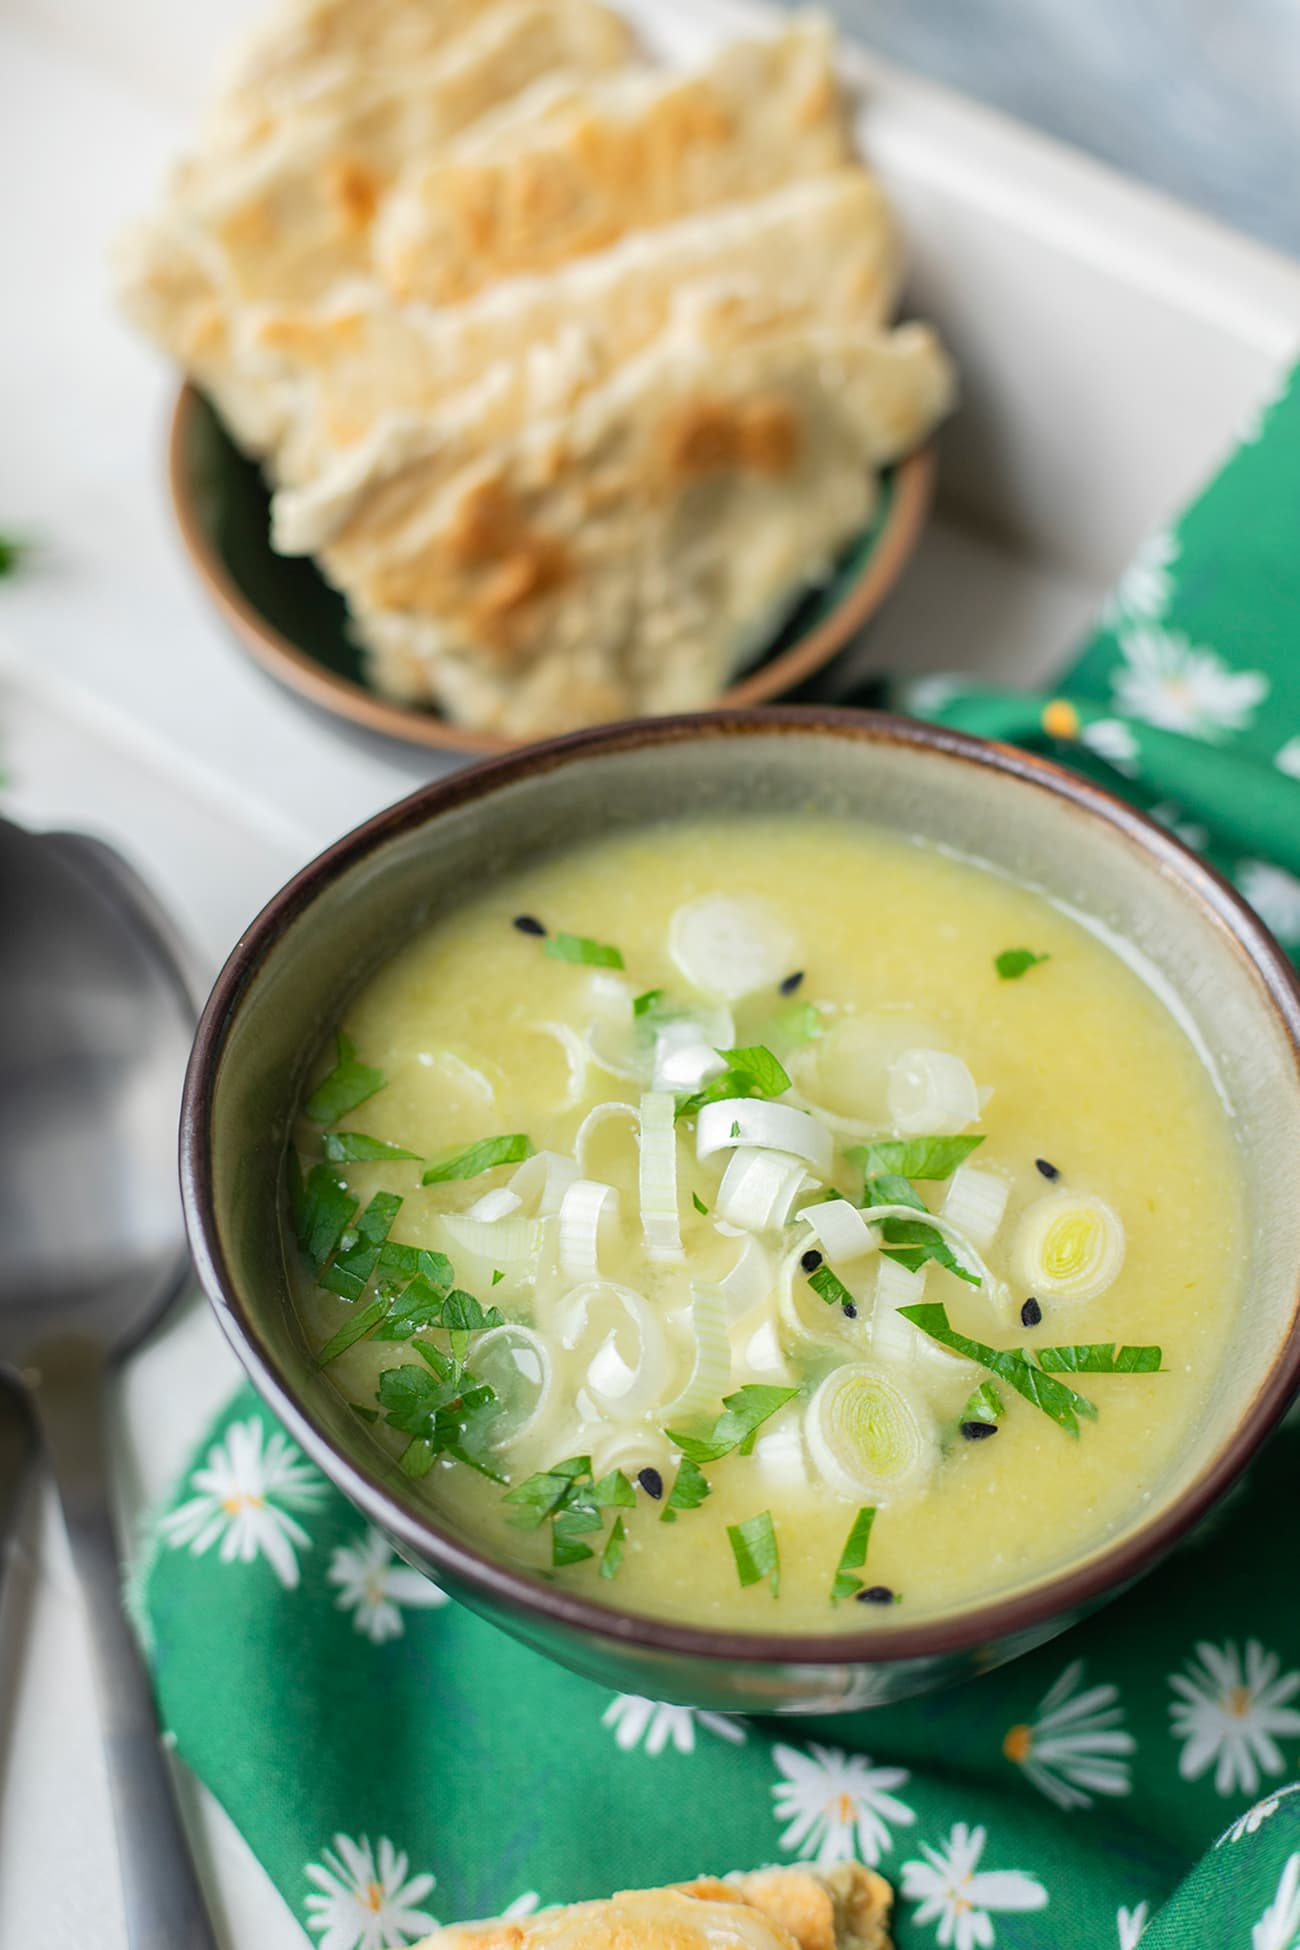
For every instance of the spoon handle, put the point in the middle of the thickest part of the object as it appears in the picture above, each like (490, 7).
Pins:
(163, 1902)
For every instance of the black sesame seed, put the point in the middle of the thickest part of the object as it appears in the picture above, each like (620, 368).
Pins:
(1031, 1313)
(875, 1594)
(976, 1431)
(810, 1260)
(850, 1311)
(652, 1483)
(791, 982)
(528, 924)
(1048, 1170)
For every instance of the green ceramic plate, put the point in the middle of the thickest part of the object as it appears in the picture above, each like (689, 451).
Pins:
(289, 618)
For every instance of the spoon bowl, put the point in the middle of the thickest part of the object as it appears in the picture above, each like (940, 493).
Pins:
(96, 1018)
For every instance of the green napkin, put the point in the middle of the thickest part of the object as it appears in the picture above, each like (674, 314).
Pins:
(392, 1760)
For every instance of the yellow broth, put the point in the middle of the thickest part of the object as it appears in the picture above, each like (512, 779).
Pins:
(1087, 1068)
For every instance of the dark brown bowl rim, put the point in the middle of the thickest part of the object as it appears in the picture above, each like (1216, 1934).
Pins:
(291, 665)
(1061, 1596)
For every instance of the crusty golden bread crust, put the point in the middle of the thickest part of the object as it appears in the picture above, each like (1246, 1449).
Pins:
(845, 1908)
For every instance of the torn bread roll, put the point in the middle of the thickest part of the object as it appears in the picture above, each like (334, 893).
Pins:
(844, 1908)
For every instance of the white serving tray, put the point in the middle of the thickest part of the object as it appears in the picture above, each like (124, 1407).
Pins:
(1110, 343)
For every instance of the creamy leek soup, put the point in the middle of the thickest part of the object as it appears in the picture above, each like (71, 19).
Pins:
(769, 1224)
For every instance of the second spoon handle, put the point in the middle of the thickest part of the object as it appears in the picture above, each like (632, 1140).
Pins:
(162, 1898)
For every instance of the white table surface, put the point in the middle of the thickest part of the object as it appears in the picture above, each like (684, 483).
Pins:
(125, 710)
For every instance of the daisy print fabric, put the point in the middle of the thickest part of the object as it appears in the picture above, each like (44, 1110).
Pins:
(392, 1759)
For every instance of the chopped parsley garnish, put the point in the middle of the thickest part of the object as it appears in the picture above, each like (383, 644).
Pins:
(353, 1265)
(497, 1276)
(611, 1558)
(323, 1209)
(688, 1492)
(743, 1414)
(754, 1547)
(580, 947)
(1099, 1357)
(1012, 963)
(699, 1204)
(398, 1262)
(828, 1287)
(750, 1072)
(569, 1498)
(473, 1159)
(911, 1243)
(434, 1405)
(1009, 1364)
(415, 1307)
(348, 1084)
(919, 1157)
(801, 1022)
(892, 1190)
(645, 1003)
(354, 1148)
(853, 1556)
(756, 1063)
(352, 1331)
(985, 1405)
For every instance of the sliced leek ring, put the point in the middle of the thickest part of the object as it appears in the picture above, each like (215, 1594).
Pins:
(868, 1435)
(1069, 1248)
(731, 944)
(931, 1091)
(516, 1364)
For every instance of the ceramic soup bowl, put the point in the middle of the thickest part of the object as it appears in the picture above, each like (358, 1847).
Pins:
(290, 978)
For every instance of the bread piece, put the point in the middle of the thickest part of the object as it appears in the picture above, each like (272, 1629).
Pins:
(281, 220)
(626, 556)
(635, 154)
(823, 248)
(846, 1908)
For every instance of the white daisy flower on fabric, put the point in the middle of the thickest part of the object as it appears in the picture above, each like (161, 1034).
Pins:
(1275, 896)
(950, 1886)
(365, 1899)
(1180, 686)
(634, 1719)
(1279, 1927)
(1146, 588)
(1254, 1818)
(244, 1493)
(1072, 1748)
(375, 1586)
(526, 1905)
(1287, 758)
(838, 1805)
(1112, 740)
(1228, 1711)
(1130, 1925)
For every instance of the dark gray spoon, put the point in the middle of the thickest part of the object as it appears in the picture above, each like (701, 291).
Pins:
(96, 1018)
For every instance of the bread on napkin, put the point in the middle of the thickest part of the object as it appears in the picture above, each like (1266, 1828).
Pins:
(844, 1908)
(627, 554)
(630, 153)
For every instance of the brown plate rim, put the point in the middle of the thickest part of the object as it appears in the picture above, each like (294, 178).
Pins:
(1059, 1597)
(293, 667)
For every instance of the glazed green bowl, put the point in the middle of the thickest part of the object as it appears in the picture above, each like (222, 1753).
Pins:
(290, 978)
(291, 622)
